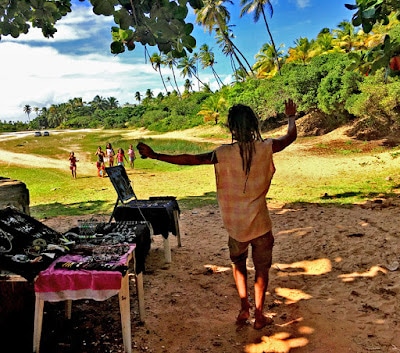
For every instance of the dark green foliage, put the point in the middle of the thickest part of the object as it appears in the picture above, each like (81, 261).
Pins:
(335, 88)
(378, 103)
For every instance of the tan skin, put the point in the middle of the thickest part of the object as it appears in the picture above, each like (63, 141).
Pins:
(239, 271)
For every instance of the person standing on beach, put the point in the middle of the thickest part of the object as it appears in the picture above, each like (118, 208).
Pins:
(121, 157)
(72, 164)
(243, 171)
(100, 162)
(131, 156)
(110, 154)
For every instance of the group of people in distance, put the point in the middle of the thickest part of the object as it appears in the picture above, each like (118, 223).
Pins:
(107, 156)
(110, 156)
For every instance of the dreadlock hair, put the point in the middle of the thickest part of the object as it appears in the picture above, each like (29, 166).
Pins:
(244, 126)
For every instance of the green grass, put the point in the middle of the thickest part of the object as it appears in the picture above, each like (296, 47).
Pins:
(53, 192)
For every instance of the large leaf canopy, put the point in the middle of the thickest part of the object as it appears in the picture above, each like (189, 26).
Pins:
(159, 23)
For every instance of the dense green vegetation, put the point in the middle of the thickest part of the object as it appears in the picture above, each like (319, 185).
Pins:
(325, 84)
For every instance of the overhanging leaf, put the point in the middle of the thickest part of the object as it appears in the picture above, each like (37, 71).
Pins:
(103, 7)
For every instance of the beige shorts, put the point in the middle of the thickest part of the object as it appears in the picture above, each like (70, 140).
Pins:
(261, 250)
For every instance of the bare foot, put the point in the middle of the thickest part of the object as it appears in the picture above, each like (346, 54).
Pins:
(262, 321)
(243, 316)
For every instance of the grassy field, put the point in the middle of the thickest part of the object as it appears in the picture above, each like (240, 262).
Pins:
(309, 171)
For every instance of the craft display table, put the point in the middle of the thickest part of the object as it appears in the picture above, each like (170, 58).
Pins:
(161, 213)
(61, 283)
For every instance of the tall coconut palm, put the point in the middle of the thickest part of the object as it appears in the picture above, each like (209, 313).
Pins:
(215, 16)
(196, 59)
(347, 37)
(240, 75)
(207, 59)
(265, 65)
(324, 42)
(230, 49)
(138, 96)
(149, 94)
(156, 62)
(98, 103)
(171, 62)
(302, 52)
(187, 85)
(258, 8)
(27, 111)
(188, 68)
(168, 79)
(112, 103)
(212, 108)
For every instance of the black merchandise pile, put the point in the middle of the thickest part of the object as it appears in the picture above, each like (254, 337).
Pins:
(89, 237)
(27, 246)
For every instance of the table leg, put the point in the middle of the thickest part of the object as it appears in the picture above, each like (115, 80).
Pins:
(167, 250)
(140, 294)
(178, 232)
(68, 309)
(37, 324)
(124, 307)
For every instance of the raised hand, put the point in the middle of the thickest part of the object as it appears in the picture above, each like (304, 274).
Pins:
(290, 107)
(145, 150)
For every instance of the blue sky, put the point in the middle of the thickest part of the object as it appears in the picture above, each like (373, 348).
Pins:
(77, 62)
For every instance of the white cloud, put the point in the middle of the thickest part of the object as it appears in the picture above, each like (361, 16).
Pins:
(43, 76)
(303, 3)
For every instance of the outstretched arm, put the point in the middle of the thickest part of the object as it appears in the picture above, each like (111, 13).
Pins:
(282, 142)
(181, 159)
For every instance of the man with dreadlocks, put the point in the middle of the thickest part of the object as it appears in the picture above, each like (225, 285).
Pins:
(243, 170)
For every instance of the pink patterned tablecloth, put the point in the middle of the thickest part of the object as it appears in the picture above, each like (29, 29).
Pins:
(58, 284)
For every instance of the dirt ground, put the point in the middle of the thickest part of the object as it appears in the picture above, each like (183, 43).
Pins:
(334, 288)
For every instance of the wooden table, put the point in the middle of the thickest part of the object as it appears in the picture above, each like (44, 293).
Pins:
(61, 284)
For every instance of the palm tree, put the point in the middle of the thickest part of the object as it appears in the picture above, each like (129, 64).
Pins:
(212, 107)
(98, 103)
(112, 103)
(258, 7)
(346, 37)
(188, 68)
(187, 85)
(303, 51)
(240, 75)
(168, 79)
(27, 111)
(208, 60)
(149, 94)
(230, 49)
(265, 65)
(196, 60)
(156, 62)
(215, 16)
(138, 96)
(171, 62)
(324, 42)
